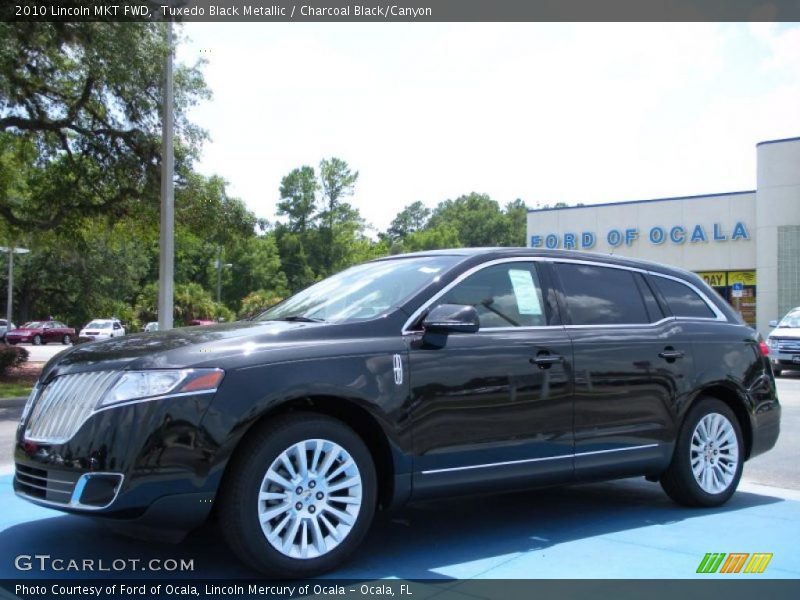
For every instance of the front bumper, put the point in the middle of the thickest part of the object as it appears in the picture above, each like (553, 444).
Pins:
(785, 360)
(126, 461)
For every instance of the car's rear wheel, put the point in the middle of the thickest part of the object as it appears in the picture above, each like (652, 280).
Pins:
(300, 497)
(709, 454)
(37, 340)
(67, 340)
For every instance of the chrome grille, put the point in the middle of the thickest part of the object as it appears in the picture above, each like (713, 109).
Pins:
(64, 404)
(788, 344)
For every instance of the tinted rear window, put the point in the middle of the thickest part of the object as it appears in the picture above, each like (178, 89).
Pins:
(682, 300)
(601, 295)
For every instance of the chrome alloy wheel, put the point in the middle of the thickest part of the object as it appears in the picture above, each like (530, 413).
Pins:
(309, 499)
(714, 453)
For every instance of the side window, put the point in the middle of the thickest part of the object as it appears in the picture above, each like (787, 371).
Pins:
(601, 295)
(117, 326)
(682, 300)
(505, 295)
(654, 310)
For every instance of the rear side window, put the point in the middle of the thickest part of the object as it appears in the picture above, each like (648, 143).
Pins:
(601, 295)
(682, 300)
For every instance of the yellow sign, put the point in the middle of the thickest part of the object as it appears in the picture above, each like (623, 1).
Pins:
(743, 277)
(714, 278)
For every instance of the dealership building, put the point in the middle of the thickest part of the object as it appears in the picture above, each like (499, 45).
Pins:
(744, 244)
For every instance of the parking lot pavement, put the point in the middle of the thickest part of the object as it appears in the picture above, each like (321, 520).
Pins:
(624, 529)
(43, 353)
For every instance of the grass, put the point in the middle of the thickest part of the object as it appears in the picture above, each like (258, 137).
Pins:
(14, 389)
(19, 381)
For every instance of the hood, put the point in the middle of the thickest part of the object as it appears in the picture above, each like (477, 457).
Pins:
(183, 347)
(785, 332)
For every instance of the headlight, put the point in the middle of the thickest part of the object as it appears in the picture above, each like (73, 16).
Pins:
(771, 342)
(136, 385)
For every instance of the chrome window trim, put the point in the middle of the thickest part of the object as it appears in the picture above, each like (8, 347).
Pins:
(532, 460)
(534, 259)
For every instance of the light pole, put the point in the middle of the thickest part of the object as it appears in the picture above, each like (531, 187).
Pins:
(218, 264)
(10, 302)
(166, 263)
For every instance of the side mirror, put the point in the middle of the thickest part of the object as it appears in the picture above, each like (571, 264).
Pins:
(773, 323)
(452, 318)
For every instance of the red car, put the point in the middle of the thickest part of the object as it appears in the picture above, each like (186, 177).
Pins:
(41, 332)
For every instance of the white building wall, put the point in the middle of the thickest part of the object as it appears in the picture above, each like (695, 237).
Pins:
(778, 217)
(723, 210)
(771, 215)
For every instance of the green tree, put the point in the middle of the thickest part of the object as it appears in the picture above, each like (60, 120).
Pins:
(476, 217)
(299, 198)
(87, 96)
(516, 216)
(412, 218)
(337, 182)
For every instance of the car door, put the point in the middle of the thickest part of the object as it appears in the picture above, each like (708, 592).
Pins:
(48, 331)
(495, 405)
(116, 330)
(633, 367)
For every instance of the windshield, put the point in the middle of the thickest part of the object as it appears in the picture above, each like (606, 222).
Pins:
(98, 325)
(791, 320)
(32, 325)
(361, 292)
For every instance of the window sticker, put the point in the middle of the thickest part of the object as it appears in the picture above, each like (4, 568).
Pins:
(525, 291)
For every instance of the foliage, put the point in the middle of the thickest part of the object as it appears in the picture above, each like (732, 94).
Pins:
(257, 302)
(12, 356)
(79, 119)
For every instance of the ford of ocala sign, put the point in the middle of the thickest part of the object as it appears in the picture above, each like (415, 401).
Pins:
(677, 234)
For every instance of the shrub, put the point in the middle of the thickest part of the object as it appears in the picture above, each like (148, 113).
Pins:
(12, 356)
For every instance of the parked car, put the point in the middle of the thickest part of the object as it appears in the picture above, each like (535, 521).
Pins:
(4, 328)
(195, 322)
(151, 326)
(784, 343)
(406, 378)
(41, 332)
(99, 329)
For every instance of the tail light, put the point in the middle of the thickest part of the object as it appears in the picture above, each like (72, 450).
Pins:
(764, 348)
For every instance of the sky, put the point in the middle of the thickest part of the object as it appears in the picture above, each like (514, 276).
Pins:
(547, 113)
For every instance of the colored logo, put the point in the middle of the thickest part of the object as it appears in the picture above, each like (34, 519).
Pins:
(735, 562)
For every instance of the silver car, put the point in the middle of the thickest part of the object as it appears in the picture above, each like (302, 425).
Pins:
(784, 343)
(4, 328)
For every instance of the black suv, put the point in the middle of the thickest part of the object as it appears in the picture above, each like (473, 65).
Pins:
(404, 378)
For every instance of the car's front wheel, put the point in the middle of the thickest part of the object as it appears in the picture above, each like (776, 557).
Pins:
(709, 454)
(67, 340)
(300, 497)
(37, 340)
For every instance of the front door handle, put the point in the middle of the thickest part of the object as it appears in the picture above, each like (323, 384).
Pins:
(670, 354)
(544, 360)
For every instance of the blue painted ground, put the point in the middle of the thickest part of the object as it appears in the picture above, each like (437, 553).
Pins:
(626, 529)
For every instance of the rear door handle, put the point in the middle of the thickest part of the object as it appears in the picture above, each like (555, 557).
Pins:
(670, 354)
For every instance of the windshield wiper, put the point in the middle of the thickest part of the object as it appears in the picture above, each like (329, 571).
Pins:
(300, 319)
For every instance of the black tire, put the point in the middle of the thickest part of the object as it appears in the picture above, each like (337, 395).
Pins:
(67, 340)
(678, 480)
(239, 502)
(777, 371)
(37, 340)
